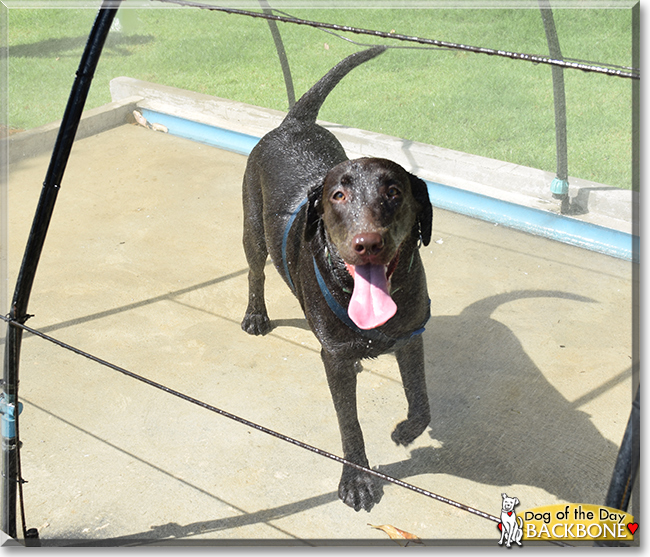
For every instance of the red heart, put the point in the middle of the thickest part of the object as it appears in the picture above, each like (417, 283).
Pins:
(510, 513)
(501, 527)
(632, 527)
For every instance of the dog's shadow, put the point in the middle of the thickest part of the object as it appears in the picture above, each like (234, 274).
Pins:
(495, 417)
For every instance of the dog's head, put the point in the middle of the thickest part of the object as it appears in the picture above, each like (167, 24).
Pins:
(509, 503)
(369, 207)
(369, 195)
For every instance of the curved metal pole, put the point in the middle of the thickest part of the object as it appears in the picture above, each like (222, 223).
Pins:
(627, 462)
(282, 55)
(560, 186)
(18, 312)
(626, 468)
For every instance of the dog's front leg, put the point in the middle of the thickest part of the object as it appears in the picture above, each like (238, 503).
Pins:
(509, 537)
(256, 320)
(410, 359)
(509, 529)
(357, 489)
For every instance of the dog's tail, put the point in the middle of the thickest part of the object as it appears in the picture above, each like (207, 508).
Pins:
(307, 107)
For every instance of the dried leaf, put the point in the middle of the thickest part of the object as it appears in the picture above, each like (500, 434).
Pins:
(397, 534)
(139, 118)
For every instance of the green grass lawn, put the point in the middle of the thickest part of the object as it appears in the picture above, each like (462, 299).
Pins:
(482, 105)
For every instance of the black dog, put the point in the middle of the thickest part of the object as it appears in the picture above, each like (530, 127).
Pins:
(343, 234)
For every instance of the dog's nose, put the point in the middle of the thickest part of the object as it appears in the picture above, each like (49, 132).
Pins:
(368, 244)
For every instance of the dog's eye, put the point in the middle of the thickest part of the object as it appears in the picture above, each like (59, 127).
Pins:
(338, 196)
(393, 192)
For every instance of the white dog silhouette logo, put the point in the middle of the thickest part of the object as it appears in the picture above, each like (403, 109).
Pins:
(511, 525)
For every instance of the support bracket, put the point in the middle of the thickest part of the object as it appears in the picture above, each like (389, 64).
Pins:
(8, 420)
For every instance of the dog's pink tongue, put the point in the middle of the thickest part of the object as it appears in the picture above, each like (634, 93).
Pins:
(370, 305)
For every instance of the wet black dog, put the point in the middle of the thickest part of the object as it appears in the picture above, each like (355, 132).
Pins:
(344, 235)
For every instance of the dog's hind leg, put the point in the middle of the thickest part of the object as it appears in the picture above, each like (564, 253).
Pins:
(357, 489)
(410, 359)
(256, 320)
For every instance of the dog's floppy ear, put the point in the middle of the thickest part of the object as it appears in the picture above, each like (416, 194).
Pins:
(425, 212)
(314, 211)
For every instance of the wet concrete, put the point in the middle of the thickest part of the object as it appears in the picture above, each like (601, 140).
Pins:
(528, 358)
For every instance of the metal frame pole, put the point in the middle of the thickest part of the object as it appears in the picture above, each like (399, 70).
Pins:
(282, 55)
(560, 185)
(9, 406)
(627, 461)
(623, 482)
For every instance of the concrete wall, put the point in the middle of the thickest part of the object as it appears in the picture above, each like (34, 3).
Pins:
(593, 202)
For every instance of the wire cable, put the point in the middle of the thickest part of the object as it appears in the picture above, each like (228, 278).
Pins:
(629, 73)
(258, 427)
(246, 422)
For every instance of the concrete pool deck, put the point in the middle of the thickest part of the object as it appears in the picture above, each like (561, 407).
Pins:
(529, 368)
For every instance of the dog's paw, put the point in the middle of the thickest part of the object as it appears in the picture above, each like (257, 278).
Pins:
(358, 489)
(409, 430)
(256, 324)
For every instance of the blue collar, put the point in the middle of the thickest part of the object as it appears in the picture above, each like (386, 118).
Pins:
(338, 309)
(285, 237)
